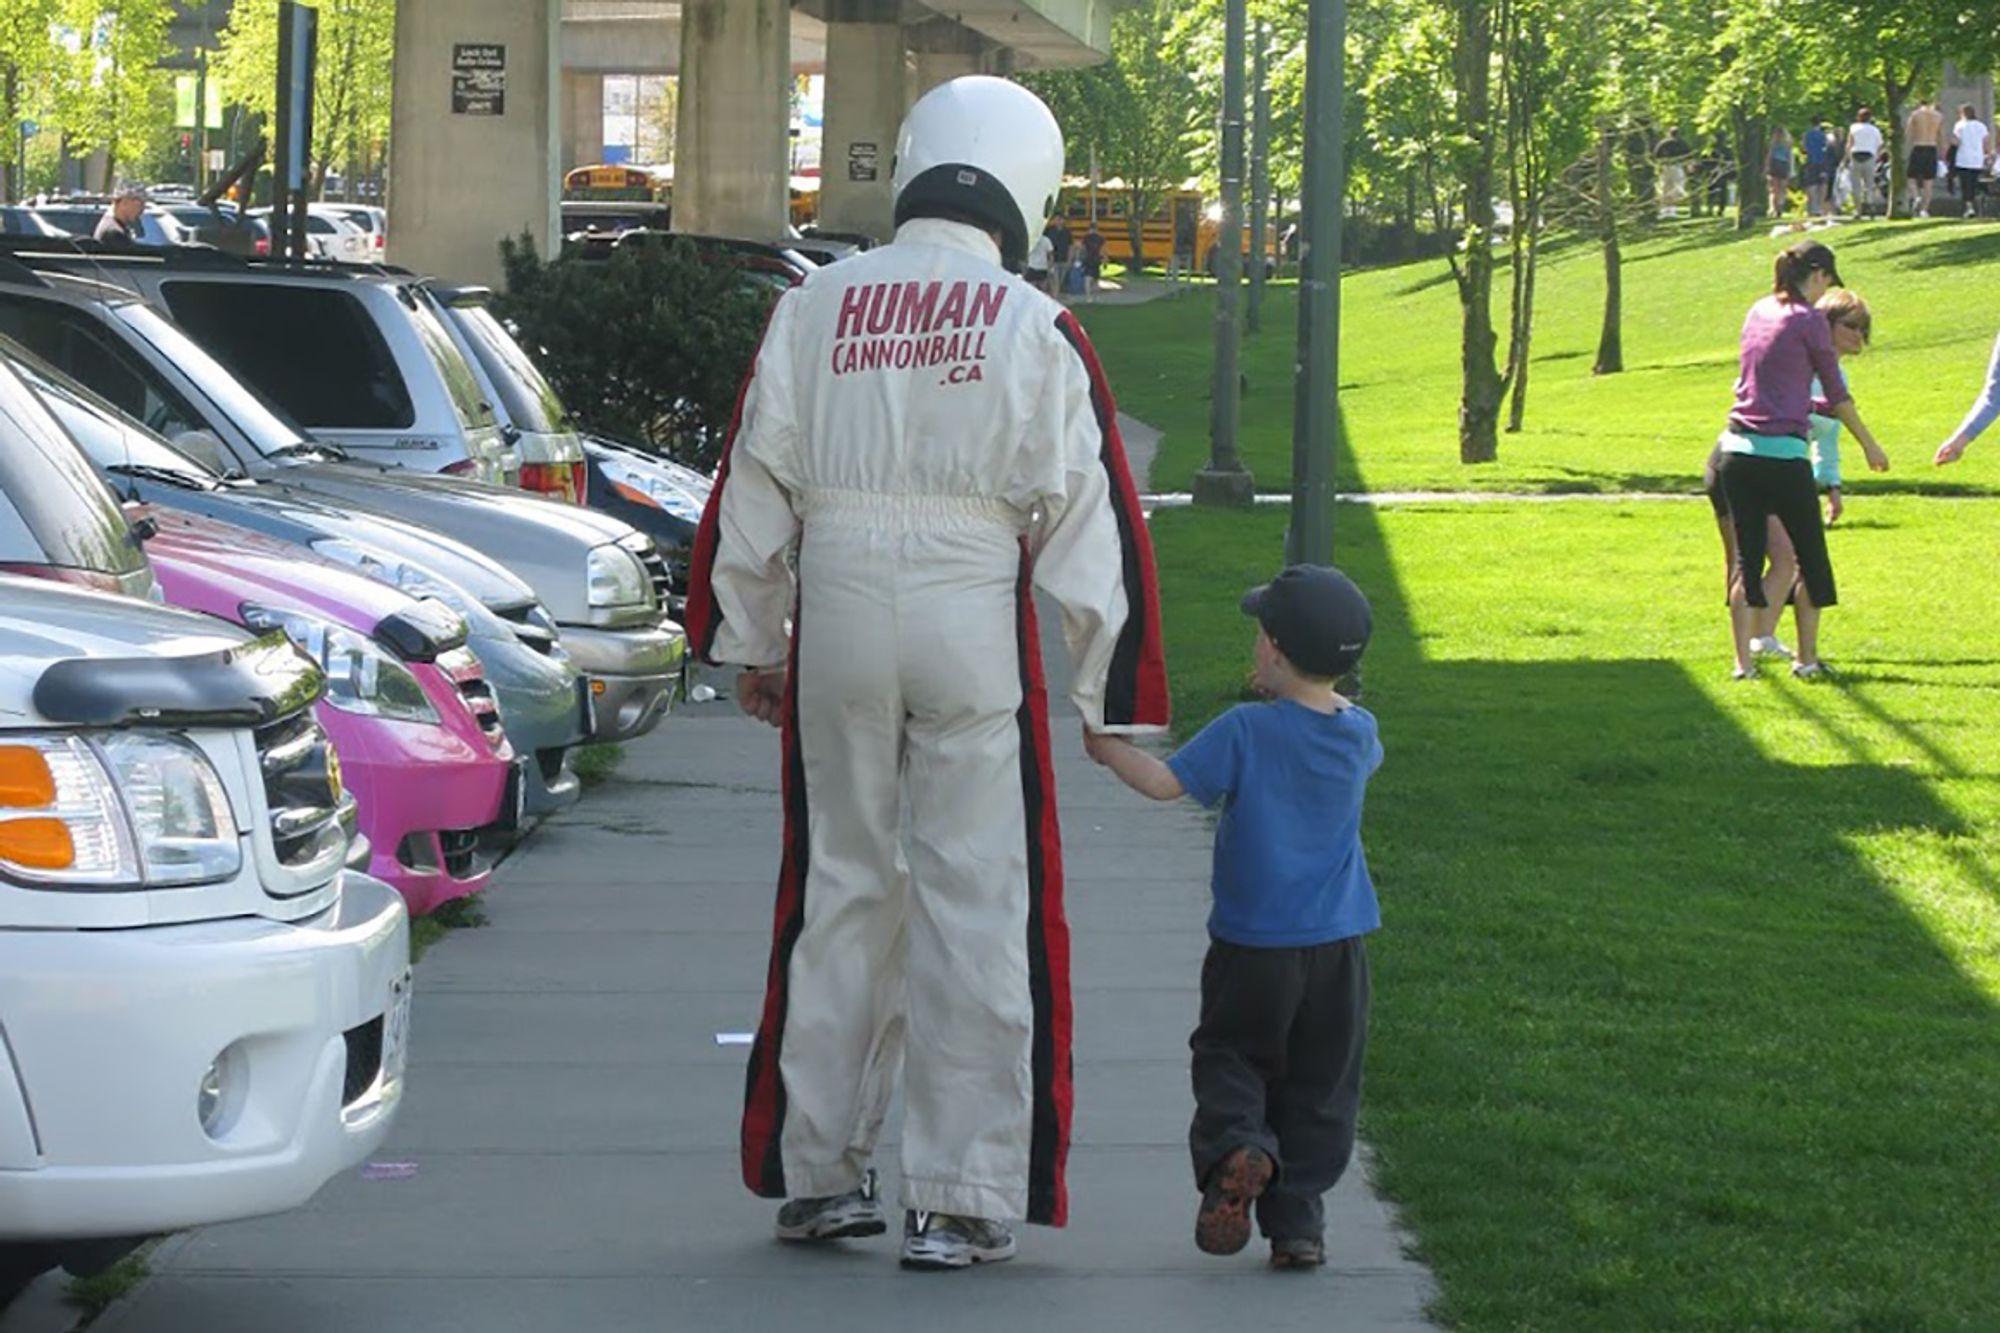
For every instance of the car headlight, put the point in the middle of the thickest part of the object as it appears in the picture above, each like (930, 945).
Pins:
(360, 676)
(120, 811)
(411, 579)
(617, 578)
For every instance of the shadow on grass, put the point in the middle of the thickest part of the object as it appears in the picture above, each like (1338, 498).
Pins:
(1650, 1027)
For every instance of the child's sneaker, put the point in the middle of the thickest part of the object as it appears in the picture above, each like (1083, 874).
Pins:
(1771, 645)
(834, 1217)
(1223, 1224)
(1298, 1252)
(1813, 671)
(940, 1241)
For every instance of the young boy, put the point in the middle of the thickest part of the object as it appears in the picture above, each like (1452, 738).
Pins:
(1284, 990)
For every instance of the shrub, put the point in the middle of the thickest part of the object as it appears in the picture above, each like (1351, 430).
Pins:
(647, 343)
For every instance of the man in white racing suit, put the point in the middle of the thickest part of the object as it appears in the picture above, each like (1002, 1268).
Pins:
(924, 443)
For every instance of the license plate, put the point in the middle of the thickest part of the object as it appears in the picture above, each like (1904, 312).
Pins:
(396, 1031)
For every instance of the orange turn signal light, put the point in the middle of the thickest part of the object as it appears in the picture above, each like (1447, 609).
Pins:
(37, 844)
(597, 687)
(25, 780)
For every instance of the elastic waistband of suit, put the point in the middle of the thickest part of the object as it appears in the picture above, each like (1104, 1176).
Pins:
(908, 513)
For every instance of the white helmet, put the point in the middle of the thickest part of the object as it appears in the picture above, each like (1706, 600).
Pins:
(981, 148)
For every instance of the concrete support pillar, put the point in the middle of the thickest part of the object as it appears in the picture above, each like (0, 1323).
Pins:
(583, 119)
(864, 111)
(935, 67)
(732, 152)
(475, 147)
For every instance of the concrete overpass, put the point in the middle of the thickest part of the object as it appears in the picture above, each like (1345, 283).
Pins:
(488, 95)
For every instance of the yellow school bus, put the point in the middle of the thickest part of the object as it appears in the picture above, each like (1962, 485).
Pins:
(652, 184)
(1112, 202)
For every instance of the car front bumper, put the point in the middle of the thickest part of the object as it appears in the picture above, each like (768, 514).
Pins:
(111, 1033)
(544, 709)
(426, 798)
(634, 675)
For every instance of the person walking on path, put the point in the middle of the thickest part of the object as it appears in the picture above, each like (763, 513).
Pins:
(1985, 410)
(1061, 243)
(1818, 167)
(1284, 989)
(1864, 147)
(1764, 470)
(1041, 259)
(923, 444)
(1921, 131)
(1093, 260)
(1778, 170)
(1181, 271)
(1970, 153)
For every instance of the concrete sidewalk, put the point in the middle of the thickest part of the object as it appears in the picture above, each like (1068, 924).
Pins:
(568, 1152)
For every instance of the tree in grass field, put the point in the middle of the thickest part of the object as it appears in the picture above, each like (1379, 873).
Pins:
(352, 85)
(1133, 116)
(110, 94)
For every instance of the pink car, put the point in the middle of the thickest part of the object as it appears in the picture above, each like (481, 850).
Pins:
(407, 707)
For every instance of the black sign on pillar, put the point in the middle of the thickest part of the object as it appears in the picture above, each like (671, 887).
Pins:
(298, 54)
(478, 79)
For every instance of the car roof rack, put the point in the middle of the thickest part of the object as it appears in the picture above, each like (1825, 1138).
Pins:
(16, 274)
(185, 256)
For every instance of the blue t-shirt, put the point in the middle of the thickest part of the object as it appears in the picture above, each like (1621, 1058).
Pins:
(1289, 870)
(1817, 146)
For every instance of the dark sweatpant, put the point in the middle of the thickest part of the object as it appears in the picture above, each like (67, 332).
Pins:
(1277, 1065)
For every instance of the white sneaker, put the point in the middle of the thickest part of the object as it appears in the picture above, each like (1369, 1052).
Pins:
(940, 1241)
(834, 1217)
(1770, 646)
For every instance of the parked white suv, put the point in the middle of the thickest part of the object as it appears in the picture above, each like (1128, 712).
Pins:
(203, 1014)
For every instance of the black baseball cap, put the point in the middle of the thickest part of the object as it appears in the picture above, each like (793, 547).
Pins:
(1316, 616)
(1817, 259)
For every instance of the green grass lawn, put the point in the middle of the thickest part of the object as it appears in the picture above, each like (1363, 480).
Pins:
(1685, 294)
(1685, 1001)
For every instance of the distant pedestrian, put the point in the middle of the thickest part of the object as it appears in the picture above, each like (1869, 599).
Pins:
(1719, 169)
(1764, 470)
(1778, 170)
(1921, 132)
(1673, 154)
(1180, 269)
(1970, 152)
(119, 227)
(1284, 989)
(1041, 259)
(1093, 260)
(1864, 148)
(1818, 146)
(1062, 241)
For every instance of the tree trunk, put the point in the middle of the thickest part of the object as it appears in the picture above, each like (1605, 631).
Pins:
(1610, 339)
(1517, 409)
(1894, 95)
(1480, 396)
(1753, 189)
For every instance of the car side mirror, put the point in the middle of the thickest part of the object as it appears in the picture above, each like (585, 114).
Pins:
(144, 530)
(203, 447)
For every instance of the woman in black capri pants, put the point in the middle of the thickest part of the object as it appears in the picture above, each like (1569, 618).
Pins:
(1764, 469)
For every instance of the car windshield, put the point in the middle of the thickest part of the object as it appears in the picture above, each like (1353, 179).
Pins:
(267, 429)
(531, 404)
(53, 508)
(473, 409)
(110, 439)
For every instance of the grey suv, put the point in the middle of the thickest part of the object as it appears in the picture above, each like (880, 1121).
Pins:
(601, 580)
(356, 357)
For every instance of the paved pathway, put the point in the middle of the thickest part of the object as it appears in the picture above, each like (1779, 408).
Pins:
(572, 1117)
